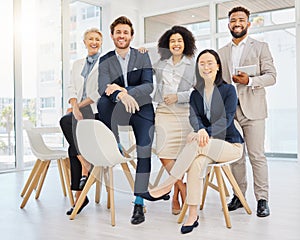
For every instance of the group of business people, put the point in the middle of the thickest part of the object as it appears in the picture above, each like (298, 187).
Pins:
(194, 118)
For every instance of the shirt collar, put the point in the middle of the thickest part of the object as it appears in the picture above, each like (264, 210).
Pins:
(184, 60)
(126, 56)
(241, 42)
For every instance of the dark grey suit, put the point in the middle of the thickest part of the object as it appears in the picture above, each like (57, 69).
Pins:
(113, 113)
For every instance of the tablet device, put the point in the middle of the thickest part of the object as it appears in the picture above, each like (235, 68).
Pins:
(250, 70)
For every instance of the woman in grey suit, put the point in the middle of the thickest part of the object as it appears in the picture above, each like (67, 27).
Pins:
(175, 78)
(83, 96)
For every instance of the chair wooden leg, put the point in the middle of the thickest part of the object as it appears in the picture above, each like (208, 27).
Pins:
(158, 177)
(84, 192)
(222, 195)
(182, 213)
(111, 194)
(236, 188)
(128, 175)
(61, 176)
(99, 186)
(206, 183)
(42, 178)
(33, 184)
(66, 171)
(106, 181)
(31, 176)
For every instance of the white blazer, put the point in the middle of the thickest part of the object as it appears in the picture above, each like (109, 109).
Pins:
(75, 87)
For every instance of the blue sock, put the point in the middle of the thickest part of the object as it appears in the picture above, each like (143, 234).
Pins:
(139, 200)
(120, 148)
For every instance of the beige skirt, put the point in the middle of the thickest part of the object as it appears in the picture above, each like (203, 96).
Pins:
(172, 126)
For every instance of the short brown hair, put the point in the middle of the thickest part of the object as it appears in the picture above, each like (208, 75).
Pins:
(121, 20)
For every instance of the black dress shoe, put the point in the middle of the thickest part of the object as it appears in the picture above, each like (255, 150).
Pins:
(262, 208)
(84, 178)
(147, 196)
(138, 214)
(82, 182)
(86, 201)
(234, 204)
(187, 229)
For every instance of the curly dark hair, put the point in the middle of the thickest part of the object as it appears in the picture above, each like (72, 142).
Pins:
(239, 9)
(121, 20)
(199, 80)
(188, 39)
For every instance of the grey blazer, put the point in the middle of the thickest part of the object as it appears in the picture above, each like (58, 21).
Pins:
(186, 83)
(252, 98)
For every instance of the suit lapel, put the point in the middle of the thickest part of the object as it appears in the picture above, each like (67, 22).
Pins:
(229, 57)
(131, 63)
(246, 51)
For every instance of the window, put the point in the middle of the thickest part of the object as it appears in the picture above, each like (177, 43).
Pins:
(41, 66)
(48, 102)
(7, 107)
(90, 12)
(47, 76)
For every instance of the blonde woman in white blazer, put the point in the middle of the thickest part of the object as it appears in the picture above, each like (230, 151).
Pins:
(83, 97)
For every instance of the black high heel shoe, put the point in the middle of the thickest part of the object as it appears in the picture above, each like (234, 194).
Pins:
(86, 201)
(147, 196)
(187, 229)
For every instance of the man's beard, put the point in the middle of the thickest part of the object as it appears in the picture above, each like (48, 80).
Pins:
(240, 34)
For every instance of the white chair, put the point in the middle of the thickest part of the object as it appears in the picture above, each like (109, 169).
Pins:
(216, 169)
(44, 156)
(98, 145)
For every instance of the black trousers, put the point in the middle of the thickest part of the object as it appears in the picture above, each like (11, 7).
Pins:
(114, 114)
(68, 125)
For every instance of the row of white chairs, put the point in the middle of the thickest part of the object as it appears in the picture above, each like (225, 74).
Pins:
(104, 154)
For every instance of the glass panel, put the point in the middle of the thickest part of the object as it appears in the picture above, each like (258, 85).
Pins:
(196, 19)
(82, 17)
(7, 108)
(282, 107)
(282, 97)
(41, 67)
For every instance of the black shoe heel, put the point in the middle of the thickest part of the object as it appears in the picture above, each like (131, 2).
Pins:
(82, 182)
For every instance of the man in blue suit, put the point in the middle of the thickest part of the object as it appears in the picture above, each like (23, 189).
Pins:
(125, 83)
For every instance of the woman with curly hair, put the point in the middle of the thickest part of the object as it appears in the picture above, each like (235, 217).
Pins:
(175, 78)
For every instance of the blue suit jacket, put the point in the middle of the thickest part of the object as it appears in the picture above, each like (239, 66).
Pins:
(223, 107)
(139, 78)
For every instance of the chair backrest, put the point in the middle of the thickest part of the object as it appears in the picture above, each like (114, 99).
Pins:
(97, 144)
(36, 141)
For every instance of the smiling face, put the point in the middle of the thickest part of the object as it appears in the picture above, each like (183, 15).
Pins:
(176, 44)
(93, 42)
(208, 67)
(122, 36)
(238, 24)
